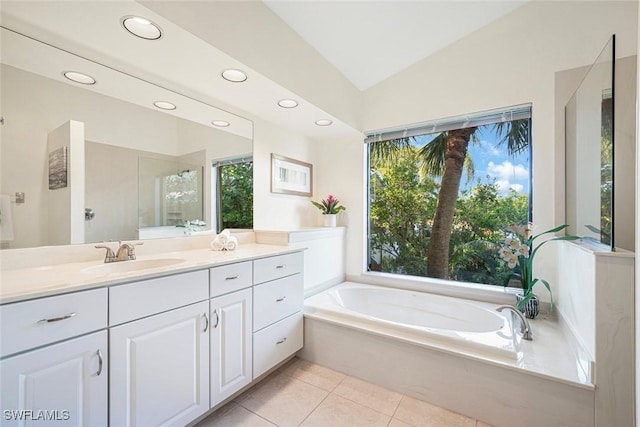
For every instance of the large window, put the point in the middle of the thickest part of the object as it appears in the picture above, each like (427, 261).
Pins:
(442, 194)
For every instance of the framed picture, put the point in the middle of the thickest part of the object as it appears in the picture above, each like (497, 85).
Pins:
(58, 168)
(289, 176)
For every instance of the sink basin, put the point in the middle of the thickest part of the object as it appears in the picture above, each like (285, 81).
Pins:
(135, 265)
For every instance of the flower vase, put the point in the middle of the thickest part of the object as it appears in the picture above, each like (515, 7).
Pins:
(531, 309)
(329, 220)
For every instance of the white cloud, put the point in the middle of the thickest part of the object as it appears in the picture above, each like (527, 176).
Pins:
(490, 148)
(517, 187)
(506, 171)
(504, 185)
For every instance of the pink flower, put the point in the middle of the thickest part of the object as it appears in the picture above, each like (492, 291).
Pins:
(330, 198)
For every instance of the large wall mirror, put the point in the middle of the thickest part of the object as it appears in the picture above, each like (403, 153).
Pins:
(84, 163)
(589, 127)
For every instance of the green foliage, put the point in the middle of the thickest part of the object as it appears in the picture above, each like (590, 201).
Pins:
(402, 206)
(236, 198)
(480, 217)
(401, 212)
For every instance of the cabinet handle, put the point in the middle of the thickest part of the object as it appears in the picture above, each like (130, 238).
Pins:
(282, 340)
(215, 325)
(206, 319)
(99, 354)
(232, 277)
(57, 319)
(281, 299)
(281, 266)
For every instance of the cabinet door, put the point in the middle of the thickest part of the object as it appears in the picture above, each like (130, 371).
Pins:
(231, 344)
(160, 369)
(63, 384)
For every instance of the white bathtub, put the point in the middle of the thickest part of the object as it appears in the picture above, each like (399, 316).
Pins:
(445, 323)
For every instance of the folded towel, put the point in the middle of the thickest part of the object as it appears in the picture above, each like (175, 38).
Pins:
(224, 242)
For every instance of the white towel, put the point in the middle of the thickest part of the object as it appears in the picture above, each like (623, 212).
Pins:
(224, 242)
(6, 220)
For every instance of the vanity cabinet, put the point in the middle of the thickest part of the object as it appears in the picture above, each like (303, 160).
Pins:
(54, 362)
(160, 354)
(278, 298)
(65, 383)
(231, 344)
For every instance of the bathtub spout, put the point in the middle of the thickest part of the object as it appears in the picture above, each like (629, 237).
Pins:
(524, 323)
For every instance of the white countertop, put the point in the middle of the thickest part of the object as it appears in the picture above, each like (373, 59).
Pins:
(46, 280)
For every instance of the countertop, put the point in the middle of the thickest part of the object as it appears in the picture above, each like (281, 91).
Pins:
(34, 282)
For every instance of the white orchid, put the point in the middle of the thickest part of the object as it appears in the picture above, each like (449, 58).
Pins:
(519, 250)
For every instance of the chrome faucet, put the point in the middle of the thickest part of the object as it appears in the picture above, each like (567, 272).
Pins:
(126, 252)
(524, 323)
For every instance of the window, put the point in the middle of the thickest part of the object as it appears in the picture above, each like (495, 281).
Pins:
(234, 187)
(442, 194)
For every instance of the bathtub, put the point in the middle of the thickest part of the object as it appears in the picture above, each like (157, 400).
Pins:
(448, 324)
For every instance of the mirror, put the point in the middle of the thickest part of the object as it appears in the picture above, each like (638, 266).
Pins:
(131, 170)
(589, 121)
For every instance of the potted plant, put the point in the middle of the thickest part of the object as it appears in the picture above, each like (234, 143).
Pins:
(329, 208)
(519, 250)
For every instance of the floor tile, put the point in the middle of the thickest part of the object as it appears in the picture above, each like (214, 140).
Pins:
(283, 400)
(232, 415)
(418, 413)
(319, 376)
(336, 411)
(397, 423)
(369, 395)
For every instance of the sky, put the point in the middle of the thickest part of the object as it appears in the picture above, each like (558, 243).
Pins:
(493, 164)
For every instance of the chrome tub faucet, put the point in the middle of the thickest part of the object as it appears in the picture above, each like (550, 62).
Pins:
(524, 323)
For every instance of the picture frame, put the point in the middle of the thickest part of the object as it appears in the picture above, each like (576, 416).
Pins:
(290, 176)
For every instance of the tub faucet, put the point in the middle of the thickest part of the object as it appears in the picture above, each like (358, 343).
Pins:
(524, 323)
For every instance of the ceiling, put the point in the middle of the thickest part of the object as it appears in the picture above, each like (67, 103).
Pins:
(365, 40)
(368, 41)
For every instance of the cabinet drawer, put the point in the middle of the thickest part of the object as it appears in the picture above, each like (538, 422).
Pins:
(276, 300)
(277, 342)
(29, 324)
(230, 278)
(272, 268)
(141, 299)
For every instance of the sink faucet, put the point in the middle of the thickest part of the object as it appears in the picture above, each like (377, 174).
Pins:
(125, 252)
(524, 324)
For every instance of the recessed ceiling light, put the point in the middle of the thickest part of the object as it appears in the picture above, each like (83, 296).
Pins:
(164, 105)
(79, 77)
(141, 27)
(288, 103)
(233, 75)
(323, 122)
(220, 123)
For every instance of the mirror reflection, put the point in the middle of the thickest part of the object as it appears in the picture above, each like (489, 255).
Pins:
(589, 152)
(133, 171)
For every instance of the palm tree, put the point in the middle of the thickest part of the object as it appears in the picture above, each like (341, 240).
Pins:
(446, 156)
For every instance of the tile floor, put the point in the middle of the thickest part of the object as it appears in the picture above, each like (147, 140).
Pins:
(304, 394)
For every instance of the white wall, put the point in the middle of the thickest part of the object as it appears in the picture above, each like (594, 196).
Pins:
(512, 61)
(280, 211)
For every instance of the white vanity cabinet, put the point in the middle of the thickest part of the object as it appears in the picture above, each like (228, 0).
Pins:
(160, 363)
(277, 310)
(231, 344)
(64, 382)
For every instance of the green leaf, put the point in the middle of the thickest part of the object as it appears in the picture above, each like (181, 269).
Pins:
(520, 305)
(546, 284)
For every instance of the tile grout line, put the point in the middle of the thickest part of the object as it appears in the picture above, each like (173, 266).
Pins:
(316, 407)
